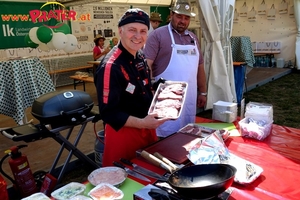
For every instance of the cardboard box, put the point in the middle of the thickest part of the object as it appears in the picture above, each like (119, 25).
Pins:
(224, 111)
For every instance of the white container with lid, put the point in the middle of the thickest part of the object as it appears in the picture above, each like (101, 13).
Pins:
(224, 111)
(68, 191)
(280, 63)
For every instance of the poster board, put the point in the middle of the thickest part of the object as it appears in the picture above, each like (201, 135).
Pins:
(103, 20)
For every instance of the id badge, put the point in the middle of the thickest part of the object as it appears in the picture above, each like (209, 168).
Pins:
(130, 88)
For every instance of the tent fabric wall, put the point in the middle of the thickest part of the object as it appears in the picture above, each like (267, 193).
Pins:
(297, 17)
(216, 23)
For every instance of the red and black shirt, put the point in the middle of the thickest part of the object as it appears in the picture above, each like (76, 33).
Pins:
(123, 86)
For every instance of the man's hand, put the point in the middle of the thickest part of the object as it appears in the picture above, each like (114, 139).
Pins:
(156, 83)
(201, 101)
(150, 121)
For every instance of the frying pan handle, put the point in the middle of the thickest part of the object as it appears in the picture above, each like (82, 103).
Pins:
(166, 160)
(154, 160)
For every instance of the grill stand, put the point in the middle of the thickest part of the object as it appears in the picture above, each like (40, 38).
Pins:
(72, 148)
(31, 133)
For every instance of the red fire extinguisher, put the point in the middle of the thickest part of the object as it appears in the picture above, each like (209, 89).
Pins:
(24, 180)
(3, 190)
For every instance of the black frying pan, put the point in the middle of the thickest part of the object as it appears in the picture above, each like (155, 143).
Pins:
(197, 181)
(202, 181)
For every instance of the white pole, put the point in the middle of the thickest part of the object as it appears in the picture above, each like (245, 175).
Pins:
(297, 17)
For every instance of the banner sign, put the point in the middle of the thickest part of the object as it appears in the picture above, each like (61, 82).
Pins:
(18, 18)
(15, 23)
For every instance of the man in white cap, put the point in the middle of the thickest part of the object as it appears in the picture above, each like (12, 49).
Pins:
(155, 21)
(125, 93)
(173, 53)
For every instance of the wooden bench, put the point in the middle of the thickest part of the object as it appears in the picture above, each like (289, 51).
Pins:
(59, 71)
(81, 80)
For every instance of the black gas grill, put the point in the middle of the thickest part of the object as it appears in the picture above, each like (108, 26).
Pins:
(60, 108)
(58, 111)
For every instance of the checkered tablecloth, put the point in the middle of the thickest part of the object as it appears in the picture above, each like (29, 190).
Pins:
(241, 48)
(21, 82)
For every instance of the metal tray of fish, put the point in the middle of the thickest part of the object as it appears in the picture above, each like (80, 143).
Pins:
(203, 131)
(169, 99)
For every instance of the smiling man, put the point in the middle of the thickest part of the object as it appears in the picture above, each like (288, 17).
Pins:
(124, 91)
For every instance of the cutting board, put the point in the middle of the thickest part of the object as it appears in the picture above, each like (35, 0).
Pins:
(175, 147)
(226, 126)
(129, 187)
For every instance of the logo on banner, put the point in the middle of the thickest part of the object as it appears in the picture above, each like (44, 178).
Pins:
(57, 14)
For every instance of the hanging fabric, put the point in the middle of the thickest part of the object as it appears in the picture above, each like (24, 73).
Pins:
(216, 19)
(291, 10)
(283, 7)
(236, 16)
(262, 8)
(271, 13)
(252, 15)
(244, 10)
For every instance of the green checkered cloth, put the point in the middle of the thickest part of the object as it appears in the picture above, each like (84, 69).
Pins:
(21, 82)
(241, 48)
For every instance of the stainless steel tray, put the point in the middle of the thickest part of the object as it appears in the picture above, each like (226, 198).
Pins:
(157, 100)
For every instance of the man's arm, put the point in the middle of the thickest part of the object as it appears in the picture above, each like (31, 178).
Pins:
(201, 79)
(201, 83)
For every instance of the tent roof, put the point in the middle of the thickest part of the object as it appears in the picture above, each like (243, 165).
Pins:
(82, 2)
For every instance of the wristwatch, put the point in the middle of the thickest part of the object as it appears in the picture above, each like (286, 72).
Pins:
(203, 93)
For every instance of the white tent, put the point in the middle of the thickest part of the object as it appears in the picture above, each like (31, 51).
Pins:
(297, 17)
(216, 18)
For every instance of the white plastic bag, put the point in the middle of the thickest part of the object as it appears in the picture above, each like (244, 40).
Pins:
(259, 111)
(258, 120)
(244, 10)
(262, 8)
(252, 15)
(236, 16)
(283, 7)
(271, 15)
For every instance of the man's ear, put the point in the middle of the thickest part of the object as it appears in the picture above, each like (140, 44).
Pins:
(120, 30)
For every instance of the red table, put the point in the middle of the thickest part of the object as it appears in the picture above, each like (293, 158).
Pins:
(278, 155)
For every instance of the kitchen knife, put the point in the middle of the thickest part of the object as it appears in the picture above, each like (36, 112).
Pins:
(144, 171)
(131, 172)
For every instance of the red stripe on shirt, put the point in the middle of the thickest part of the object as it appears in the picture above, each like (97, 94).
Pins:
(106, 78)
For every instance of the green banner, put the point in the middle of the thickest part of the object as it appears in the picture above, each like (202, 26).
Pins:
(163, 11)
(16, 19)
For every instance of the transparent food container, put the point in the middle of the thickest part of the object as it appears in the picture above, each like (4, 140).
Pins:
(68, 191)
(37, 196)
(105, 191)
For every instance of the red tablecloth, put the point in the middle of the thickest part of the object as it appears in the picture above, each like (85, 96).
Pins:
(278, 155)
